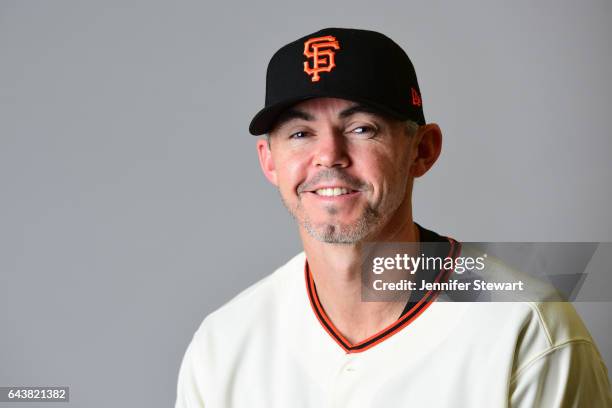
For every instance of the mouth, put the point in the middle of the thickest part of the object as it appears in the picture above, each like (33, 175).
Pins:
(334, 194)
(333, 191)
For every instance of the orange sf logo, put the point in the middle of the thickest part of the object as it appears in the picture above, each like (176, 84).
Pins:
(321, 50)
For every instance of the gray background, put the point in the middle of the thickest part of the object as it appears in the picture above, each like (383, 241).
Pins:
(132, 204)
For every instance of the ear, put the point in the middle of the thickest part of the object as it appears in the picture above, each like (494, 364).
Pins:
(266, 162)
(427, 150)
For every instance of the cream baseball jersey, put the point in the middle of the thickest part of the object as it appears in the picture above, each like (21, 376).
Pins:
(273, 346)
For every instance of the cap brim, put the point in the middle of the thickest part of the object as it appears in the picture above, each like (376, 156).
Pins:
(264, 120)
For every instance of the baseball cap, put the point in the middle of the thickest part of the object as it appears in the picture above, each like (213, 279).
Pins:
(359, 65)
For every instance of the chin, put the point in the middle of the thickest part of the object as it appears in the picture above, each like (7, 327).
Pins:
(333, 235)
(340, 233)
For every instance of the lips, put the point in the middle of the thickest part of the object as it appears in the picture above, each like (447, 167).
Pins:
(332, 183)
(333, 191)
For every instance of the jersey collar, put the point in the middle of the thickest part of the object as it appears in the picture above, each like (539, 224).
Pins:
(412, 310)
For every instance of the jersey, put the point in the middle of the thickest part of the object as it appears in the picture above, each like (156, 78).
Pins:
(274, 346)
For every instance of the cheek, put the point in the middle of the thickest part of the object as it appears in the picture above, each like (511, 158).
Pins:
(376, 168)
(385, 170)
(291, 172)
(399, 161)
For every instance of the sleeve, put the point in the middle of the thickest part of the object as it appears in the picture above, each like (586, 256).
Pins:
(571, 374)
(189, 391)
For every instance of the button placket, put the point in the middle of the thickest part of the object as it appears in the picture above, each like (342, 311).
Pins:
(344, 381)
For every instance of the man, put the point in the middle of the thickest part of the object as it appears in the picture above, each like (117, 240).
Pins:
(346, 139)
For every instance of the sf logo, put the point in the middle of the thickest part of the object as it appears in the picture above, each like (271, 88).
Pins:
(321, 50)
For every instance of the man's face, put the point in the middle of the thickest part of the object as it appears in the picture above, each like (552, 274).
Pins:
(342, 170)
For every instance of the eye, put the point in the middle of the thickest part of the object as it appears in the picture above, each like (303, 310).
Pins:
(298, 135)
(364, 131)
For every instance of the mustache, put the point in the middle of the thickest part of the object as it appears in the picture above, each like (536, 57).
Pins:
(332, 174)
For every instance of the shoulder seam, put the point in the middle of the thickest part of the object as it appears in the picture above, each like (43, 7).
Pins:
(548, 351)
(536, 309)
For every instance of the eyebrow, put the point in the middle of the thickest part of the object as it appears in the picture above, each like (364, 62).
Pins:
(291, 114)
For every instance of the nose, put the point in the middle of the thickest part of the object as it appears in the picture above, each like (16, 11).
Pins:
(331, 150)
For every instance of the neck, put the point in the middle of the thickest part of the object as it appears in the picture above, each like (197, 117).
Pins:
(336, 270)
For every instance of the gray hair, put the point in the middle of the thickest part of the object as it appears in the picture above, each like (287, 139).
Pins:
(268, 139)
(411, 127)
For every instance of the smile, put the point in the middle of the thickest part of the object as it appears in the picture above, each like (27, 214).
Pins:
(333, 191)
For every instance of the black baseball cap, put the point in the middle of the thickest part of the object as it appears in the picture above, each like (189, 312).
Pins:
(359, 65)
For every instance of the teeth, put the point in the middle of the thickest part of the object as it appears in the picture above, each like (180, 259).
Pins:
(332, 192)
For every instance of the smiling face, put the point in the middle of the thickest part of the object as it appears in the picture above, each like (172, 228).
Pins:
(343, 171)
